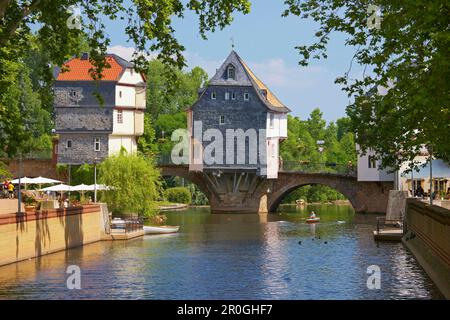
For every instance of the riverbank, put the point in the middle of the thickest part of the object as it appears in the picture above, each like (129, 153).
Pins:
(33, 234)
(428, 238)
(334, 202)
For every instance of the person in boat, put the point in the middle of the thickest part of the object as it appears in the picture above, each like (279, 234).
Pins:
(312, 215)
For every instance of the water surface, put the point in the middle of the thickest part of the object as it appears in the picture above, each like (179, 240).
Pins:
(225, 256)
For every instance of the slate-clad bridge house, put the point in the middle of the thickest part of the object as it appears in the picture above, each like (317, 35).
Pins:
(89, 130)
(236, 99)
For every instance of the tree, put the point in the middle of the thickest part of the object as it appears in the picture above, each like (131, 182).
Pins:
(24, 124)
(164, 99)
(4, 173)
(166, 105)
(134, 184)
(53, 25)
(404, 45)
(301, 148)
(149, 24)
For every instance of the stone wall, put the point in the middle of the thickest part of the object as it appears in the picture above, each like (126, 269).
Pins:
(80, 117)
(83, 93)
(34, 234)
(427, 236)
(82, 150)
(34, 168)
(241, 191)
(77, 119)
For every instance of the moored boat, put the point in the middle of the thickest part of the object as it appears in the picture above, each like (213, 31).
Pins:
(160, 229)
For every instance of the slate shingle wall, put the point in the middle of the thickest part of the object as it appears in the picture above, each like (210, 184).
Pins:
(239, 114)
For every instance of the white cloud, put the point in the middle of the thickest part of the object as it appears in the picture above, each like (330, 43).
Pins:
(275, 72)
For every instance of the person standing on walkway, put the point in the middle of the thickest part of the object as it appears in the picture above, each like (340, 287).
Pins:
(11, 190)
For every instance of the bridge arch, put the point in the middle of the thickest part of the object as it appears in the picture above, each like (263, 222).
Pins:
(183, 172)
(278, 199)
(363, 196)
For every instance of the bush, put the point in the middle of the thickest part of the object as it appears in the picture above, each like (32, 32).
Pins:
(134, 184)
(178, 195)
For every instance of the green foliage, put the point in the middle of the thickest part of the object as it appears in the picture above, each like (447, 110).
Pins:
(166, 105)
(164, 99)
(149, 27)
(178, 195)
(39, 35)
(301, 146)
(410, 52)
(134, 183)
(198, 197)
(24, 124)
(4, 172)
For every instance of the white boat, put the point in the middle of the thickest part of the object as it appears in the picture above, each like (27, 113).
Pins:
(312, 220)
(160, 229)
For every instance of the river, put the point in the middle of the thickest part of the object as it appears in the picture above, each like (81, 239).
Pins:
(275, 256)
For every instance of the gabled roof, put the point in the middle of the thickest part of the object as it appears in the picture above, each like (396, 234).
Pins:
(78, 69)
(245, 77)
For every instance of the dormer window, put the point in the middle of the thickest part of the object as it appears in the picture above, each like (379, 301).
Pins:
(264, 93)
(231, 72)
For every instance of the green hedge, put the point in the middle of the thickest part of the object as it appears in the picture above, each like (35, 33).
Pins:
(178, 195)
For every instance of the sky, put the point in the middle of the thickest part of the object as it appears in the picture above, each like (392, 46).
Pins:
(266, 41)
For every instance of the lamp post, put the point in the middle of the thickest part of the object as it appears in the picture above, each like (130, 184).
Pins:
(19, 193)
(431, 175)
(95, 180)
(320, 144)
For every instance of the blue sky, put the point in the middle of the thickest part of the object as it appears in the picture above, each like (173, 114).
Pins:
(266, 41)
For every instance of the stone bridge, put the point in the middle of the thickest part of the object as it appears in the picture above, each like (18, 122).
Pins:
(240, 191)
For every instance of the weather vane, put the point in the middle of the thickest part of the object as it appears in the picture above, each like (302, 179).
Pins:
(232, 43)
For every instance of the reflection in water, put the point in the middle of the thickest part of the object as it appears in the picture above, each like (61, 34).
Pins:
(276, 256)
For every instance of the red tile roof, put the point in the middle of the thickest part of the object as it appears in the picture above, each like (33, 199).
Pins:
(78, 69)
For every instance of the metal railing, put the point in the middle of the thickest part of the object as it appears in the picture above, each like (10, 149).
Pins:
(312, 167)
(291, 166)
(127, 225)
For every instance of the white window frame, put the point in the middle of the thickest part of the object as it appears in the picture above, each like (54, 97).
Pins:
(119, 116)
(67, 144)
(97, 143)
(233, 96)
(246, 96)
(271, 120)
(213, 95)
(221, 119)
(227, 96)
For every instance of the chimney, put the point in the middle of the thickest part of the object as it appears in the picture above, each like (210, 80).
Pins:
(85, 56)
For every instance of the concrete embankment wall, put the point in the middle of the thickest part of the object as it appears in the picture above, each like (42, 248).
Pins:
(428, 238)
(30, 235)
